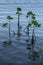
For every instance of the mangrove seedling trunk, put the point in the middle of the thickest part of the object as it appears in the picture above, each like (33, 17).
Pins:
(9, 32)
(18, 25)
(19, 28)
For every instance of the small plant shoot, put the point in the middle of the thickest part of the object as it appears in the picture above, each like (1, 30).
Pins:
(5, 24)
(19, 27)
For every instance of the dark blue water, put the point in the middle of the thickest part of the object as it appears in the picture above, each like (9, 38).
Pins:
(17, 53)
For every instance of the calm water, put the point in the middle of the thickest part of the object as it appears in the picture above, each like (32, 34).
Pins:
(17, 53)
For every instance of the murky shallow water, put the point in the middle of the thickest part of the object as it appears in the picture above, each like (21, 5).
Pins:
(17, 53)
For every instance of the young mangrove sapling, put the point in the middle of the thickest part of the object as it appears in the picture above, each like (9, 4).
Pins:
(35, 25)
(19, 27)
(29, 14)
(8, 23)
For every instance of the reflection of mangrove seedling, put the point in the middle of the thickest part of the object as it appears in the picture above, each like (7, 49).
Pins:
(6, 43)
(5, 24)
(29, 47)
(41, 52)
(34, 55)
(19, 27)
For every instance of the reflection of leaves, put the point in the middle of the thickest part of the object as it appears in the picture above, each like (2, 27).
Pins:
(29, 48)
(36, 54)
(41, 50)
(4, 43)
(32, 57)
(5, 24)
(28, 44)
(7, 43)
(27, 40)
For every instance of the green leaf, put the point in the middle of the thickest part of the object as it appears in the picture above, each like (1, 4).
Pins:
(9, 17)
(34, 22)
(39, 25)
(29, 25)
(19, 13)
(33, 16)
(36, 54)
(29, 13)
(5, 24)
(19, 9)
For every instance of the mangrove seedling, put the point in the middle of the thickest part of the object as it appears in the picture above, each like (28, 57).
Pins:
(34, 55)
(19, 27)
(35, 25)
(8, 23)
(29, 14)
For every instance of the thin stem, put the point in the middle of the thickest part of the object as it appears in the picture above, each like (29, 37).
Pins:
(18, 25)
(33, 30)
(33, 36)
(9, 32)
